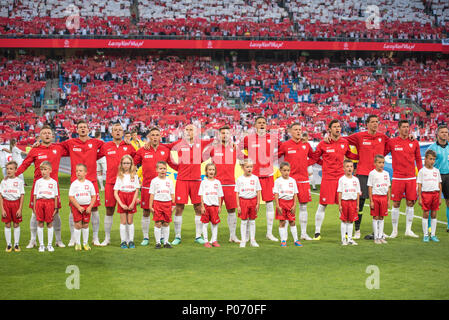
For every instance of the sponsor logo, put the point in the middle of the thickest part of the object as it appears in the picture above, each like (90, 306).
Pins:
(148, 156)
(398, 149)
(366, 143)
(399, 46)
(44, 156)
(330, 150)
(125, 44)
(111, 152)
(77, 150)
(291, 151)
(267, 44)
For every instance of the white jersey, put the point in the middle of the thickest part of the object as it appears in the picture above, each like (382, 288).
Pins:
(162, 189)
(127, 184)
(82, 191)
(12, 189)
(101, 165)
(211, 190)
(247, 187)
(430, 179)
(46, 189)
(285, 188)
(379, 182)
(349, 188)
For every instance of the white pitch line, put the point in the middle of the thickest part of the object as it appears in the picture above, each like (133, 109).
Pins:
(403, 213)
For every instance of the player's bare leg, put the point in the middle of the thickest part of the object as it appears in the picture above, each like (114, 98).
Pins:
(409, 214)
(108, 220)
(232, 224)
(198, 224)
(146, 227)
(270, 221)
(177, 221)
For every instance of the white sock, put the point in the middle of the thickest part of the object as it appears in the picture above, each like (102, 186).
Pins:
(178, 223)
(77, 236)
(198, 226)
(243, 227)
(95, 218)
(17, 235)
(395, 219)
(33, 226)
(72, 227)
(294, 233)
(123, 235)
(380, 228)
(40, 235)
(270, 217)
(131, 232)
(100, 182)
(319, 217)
(8, 236)
(433, 226)
(303, 218)
(50, 232)
(166, 233)
(409, 213)
(214, 228)
(252, 230)
(376, 229)
(146, 227)
(157, 234)
(343, 231)
(232, 224)
(108, 221)
(425, 226)
(281, 233)
(205, 237)
(57, 227)
(349, 228)
(85, 232)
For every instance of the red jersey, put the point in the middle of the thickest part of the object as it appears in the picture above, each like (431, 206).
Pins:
(148, 160)
(53, 153)
(225, 159)
(261, 152)
(333, 155)
(404, 153)
(189, 158)
(114, 155)
(300, 156)
(85, 153)
(368, 146)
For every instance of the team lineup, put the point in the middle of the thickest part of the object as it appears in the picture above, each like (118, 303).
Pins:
(258, 153)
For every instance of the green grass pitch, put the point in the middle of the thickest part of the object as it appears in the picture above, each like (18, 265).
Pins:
(408, 268)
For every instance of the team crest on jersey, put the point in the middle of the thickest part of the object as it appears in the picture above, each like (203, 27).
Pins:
(354, 183)
(54, 151)
(380, 139)
(304, 147)
(90, 145)
(86, 187)
(162, 152)
(342, 146)
(16, 184)
(215, 186)
(252, 182)
(50, 186)
(410, 144)
(168, 184)
(290, 185)
(434, 174)
(125, 148)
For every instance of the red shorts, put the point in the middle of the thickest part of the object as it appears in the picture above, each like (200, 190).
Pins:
(211, 215)
(126, 198)
(403, 188)
(44, 209)
(186, 188)
(109, 199)
(431, 201)
(162, 211)
(380, 206)
(11, 208)
(78, 216)
(328, 192)
(229, 197)
(349, 211)
(31, 206)
(267, 184)
(284, 212)
(304, 194)
(145, 198)
(248, 208)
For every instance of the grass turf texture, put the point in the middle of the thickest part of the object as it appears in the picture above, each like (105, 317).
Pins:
(409, 268)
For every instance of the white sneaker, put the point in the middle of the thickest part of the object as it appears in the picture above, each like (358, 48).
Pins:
(41, 248)
(96, 242)
(50, 248)
(393, 235)
(305, 237)
(242, 244)
(255, 244)
(71, 243)
(352, 242)
(105, 243)
(60, 244)
(271, 237)
(383, 241)
(344, 242)
(410, 233)
(234, 239)
(357, 235)
(31, 245)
